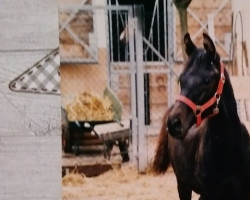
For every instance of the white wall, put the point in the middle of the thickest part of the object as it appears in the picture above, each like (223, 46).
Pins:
(30, 144)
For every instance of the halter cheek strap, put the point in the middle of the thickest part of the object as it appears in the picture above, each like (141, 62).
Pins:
(199, 109)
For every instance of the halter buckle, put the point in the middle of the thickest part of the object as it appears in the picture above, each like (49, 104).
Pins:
(216, 110)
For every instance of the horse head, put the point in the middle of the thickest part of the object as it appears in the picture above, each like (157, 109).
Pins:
(201, 83)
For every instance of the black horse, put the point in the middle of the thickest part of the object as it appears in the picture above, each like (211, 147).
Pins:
(202, 135)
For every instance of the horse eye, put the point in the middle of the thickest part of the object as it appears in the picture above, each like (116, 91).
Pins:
(207, 81)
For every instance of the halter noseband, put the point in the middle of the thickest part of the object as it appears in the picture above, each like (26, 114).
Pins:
(199, 109)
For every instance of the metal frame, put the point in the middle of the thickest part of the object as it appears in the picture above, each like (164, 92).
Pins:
(170, 56)
(204, 27)
(164, 62)
(92, 50)
(141, 134)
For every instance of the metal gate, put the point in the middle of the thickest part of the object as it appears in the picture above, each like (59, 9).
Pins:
(141, 56)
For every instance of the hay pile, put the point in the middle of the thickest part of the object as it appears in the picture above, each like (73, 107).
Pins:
(87, 107)
(73, 179)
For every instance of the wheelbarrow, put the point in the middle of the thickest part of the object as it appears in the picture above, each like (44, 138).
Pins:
(70, 128)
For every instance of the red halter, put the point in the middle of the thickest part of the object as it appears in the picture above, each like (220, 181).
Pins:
(199, 109)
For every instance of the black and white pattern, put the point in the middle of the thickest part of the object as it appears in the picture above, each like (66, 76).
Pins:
(42, 77)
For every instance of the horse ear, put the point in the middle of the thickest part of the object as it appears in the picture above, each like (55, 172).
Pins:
(209, 45)
(189, 45)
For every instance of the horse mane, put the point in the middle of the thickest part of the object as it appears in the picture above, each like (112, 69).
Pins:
(162, 158)
(228, 95)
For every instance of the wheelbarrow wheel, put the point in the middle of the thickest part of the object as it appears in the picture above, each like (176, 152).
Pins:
(123, 146)
(107, 148)
(66, 137)
(67, 142)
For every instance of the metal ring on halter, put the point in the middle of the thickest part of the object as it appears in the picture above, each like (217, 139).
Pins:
(217, 96)
(216, 110)
(198, 110)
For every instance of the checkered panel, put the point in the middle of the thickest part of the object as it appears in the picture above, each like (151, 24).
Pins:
(43, 77)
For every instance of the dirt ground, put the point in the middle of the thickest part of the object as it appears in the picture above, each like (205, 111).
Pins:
(123, 182)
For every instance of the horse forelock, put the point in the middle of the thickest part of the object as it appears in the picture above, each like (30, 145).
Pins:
(201, 58)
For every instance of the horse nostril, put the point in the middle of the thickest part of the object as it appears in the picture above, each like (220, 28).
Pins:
(174, 126)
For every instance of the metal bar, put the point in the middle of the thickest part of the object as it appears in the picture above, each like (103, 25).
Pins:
(110, 34)
(149, 67)
(120, 15)
(158, 28)
(160, 56)
(108, 44)
(78, 60)
(142, 159)
(146, 70)
(152, 42)
(152, 21)
(165, 28)
(221, 45)
(173, 28)
(71, 17)
(117, 33)
(151, 28)
(222, 5)
(70, 7)
(133, 84)
(170, 88)
(127, 46)
(77, 39)
(204, 25)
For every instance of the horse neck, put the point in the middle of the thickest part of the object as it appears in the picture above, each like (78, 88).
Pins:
(225, 132)
(228, 118)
